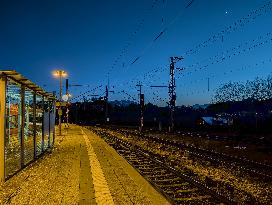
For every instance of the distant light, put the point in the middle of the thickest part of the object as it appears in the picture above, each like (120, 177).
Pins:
(226, 12)
(65, 98)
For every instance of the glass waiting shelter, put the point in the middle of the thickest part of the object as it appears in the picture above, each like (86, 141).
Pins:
(27, 122)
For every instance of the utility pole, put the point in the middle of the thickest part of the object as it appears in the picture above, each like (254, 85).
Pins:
(66, 86)
(107, 119)
(172, 91)
(141, 106)
(208, 84)
(159, 86)
(60, 108)
(60, 74)
(106, 104)
(67, 94)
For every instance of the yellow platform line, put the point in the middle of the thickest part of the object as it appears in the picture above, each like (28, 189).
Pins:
(101, 188)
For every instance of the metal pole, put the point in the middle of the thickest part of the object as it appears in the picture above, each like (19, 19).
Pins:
(172, 94)
(67, 115)
(141, 98)
(67, 110)
(22, 134)
(54, 110)
(3, 86)
(106, 100)
(60, 94)
(172, 91)
(34, 126)
(106, 104)
(43, 112)
(141, 113)
(208, 84)
(49, 125)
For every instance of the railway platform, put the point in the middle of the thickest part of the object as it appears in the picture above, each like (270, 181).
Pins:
(81, 169)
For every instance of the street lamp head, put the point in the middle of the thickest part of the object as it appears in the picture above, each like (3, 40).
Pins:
(59, 73)
(64, 74)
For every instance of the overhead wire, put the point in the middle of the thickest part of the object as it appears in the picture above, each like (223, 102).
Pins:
(241, 22)
(219, 36)
(125, 48)
(160, 33)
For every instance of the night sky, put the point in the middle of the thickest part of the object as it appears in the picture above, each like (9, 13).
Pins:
(220, 40)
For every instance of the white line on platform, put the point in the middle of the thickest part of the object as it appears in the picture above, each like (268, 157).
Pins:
(101, 188)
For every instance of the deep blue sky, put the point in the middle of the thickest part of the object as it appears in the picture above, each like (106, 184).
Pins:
(87, 38)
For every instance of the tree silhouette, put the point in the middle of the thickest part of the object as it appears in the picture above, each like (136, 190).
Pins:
(259, 89)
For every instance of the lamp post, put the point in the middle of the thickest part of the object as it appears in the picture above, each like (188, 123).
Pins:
(60, 74)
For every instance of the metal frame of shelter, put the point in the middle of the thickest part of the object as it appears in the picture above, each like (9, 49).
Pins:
(28, 125)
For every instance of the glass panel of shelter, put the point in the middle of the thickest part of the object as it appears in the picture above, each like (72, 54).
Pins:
(46, 125)
(15, 136)
(39, 124)
(52, 122)
(13, 128)
(29, 126)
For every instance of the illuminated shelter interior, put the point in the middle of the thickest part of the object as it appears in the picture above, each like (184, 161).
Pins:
(27, 122)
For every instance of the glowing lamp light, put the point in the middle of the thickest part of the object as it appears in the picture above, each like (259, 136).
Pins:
(59, 73)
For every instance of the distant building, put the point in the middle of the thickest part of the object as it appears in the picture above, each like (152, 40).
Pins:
(215, 121)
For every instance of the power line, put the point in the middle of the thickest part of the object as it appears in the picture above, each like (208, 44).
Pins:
(233, 52)
(162, 31)
(265, 8)
(124, 50)
(86, 92)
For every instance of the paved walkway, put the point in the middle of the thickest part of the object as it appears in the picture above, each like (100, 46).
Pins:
(82, 169)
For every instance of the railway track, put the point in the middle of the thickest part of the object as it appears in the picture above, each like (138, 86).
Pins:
(263, 171)
(256, 169)
(179, 187)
